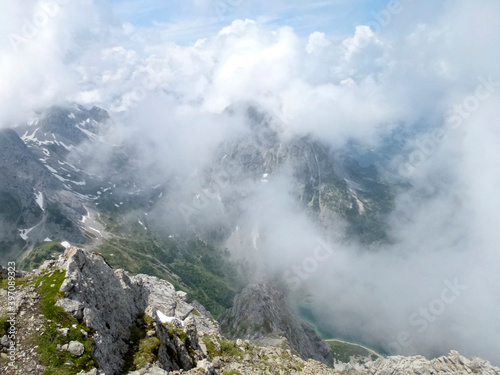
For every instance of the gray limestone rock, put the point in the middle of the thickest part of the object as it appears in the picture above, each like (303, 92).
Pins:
(76, 348)
(4, 341)
(261, 313)
(72, 307)
(109, 301)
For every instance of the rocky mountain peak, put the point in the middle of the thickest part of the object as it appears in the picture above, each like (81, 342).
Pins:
(109, 301)
(262, 314)
(78, 315)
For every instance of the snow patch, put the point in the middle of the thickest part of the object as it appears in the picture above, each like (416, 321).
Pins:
(66, 146)
(69, 165)
(86, 132)
(361, 206)
(31, 137)
(24, 232)
(56, 175)
(51, 169)
(168, 319)
(85, 217)
(95, 230)
(39, 200)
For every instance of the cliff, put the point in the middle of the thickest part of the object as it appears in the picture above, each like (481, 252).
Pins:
(77, 315)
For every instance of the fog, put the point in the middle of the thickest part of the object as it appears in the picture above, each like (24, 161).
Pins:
(431, 68)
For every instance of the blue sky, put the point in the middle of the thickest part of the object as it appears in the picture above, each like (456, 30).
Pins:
(192, 19)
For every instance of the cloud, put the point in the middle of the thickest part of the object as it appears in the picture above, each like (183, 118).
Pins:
(36, 39)
(179, 101)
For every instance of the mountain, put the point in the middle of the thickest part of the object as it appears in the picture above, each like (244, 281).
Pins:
(331, 185)
(43, 190)
(262, 314)
(71, 165)
(79, 315)
(79, 186)
(101, 195)
(33, 204)
(51, 189)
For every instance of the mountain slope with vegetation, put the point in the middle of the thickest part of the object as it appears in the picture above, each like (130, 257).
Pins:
(76, 314)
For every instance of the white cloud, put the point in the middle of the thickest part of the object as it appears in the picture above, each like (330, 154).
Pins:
(317, 41)
(171, 100)
(36, 38)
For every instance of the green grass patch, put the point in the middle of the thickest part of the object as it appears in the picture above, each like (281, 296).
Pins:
(174, 331)
(203, 270)
(211, 290)
(226, 348)
(143, 350)
(41, 252)
(61, 362)
(49, 285)
(343, 351)
(211, 348)
(229, 348)
(4, 325)
(148, 351)
(231, 372)
(19, 281)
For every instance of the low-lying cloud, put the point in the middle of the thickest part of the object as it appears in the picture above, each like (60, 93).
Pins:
(435, 288)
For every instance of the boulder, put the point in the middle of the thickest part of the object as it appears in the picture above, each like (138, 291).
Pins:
(76, 348)
(109, 301)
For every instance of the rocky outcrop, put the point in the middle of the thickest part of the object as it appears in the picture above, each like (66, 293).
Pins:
(262, 314)
(22, 176)
(4, 273)
(28, 326)
(109, 302)
(252, 360)
(186, 339)
(179, 347)
(453, 363)
(34, 203)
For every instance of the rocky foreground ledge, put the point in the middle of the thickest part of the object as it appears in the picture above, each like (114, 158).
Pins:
(77, 315)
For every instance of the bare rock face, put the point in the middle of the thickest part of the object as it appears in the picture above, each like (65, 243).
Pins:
(105, 300)
(453, 363)
(4, 273)
(261, 314)
(154, 370)
(109, 301)
(76, 348)
(179, 348)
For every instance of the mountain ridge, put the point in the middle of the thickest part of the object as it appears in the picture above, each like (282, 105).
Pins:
(86, 315)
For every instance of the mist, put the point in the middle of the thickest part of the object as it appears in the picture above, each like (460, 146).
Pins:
(432, 68)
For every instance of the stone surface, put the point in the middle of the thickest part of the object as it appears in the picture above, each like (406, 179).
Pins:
(453, 363)
(72, 307)
(262, 314)
(4, 341)
(153, 370)
(109, 301)
(76, 348)
(182, 348)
